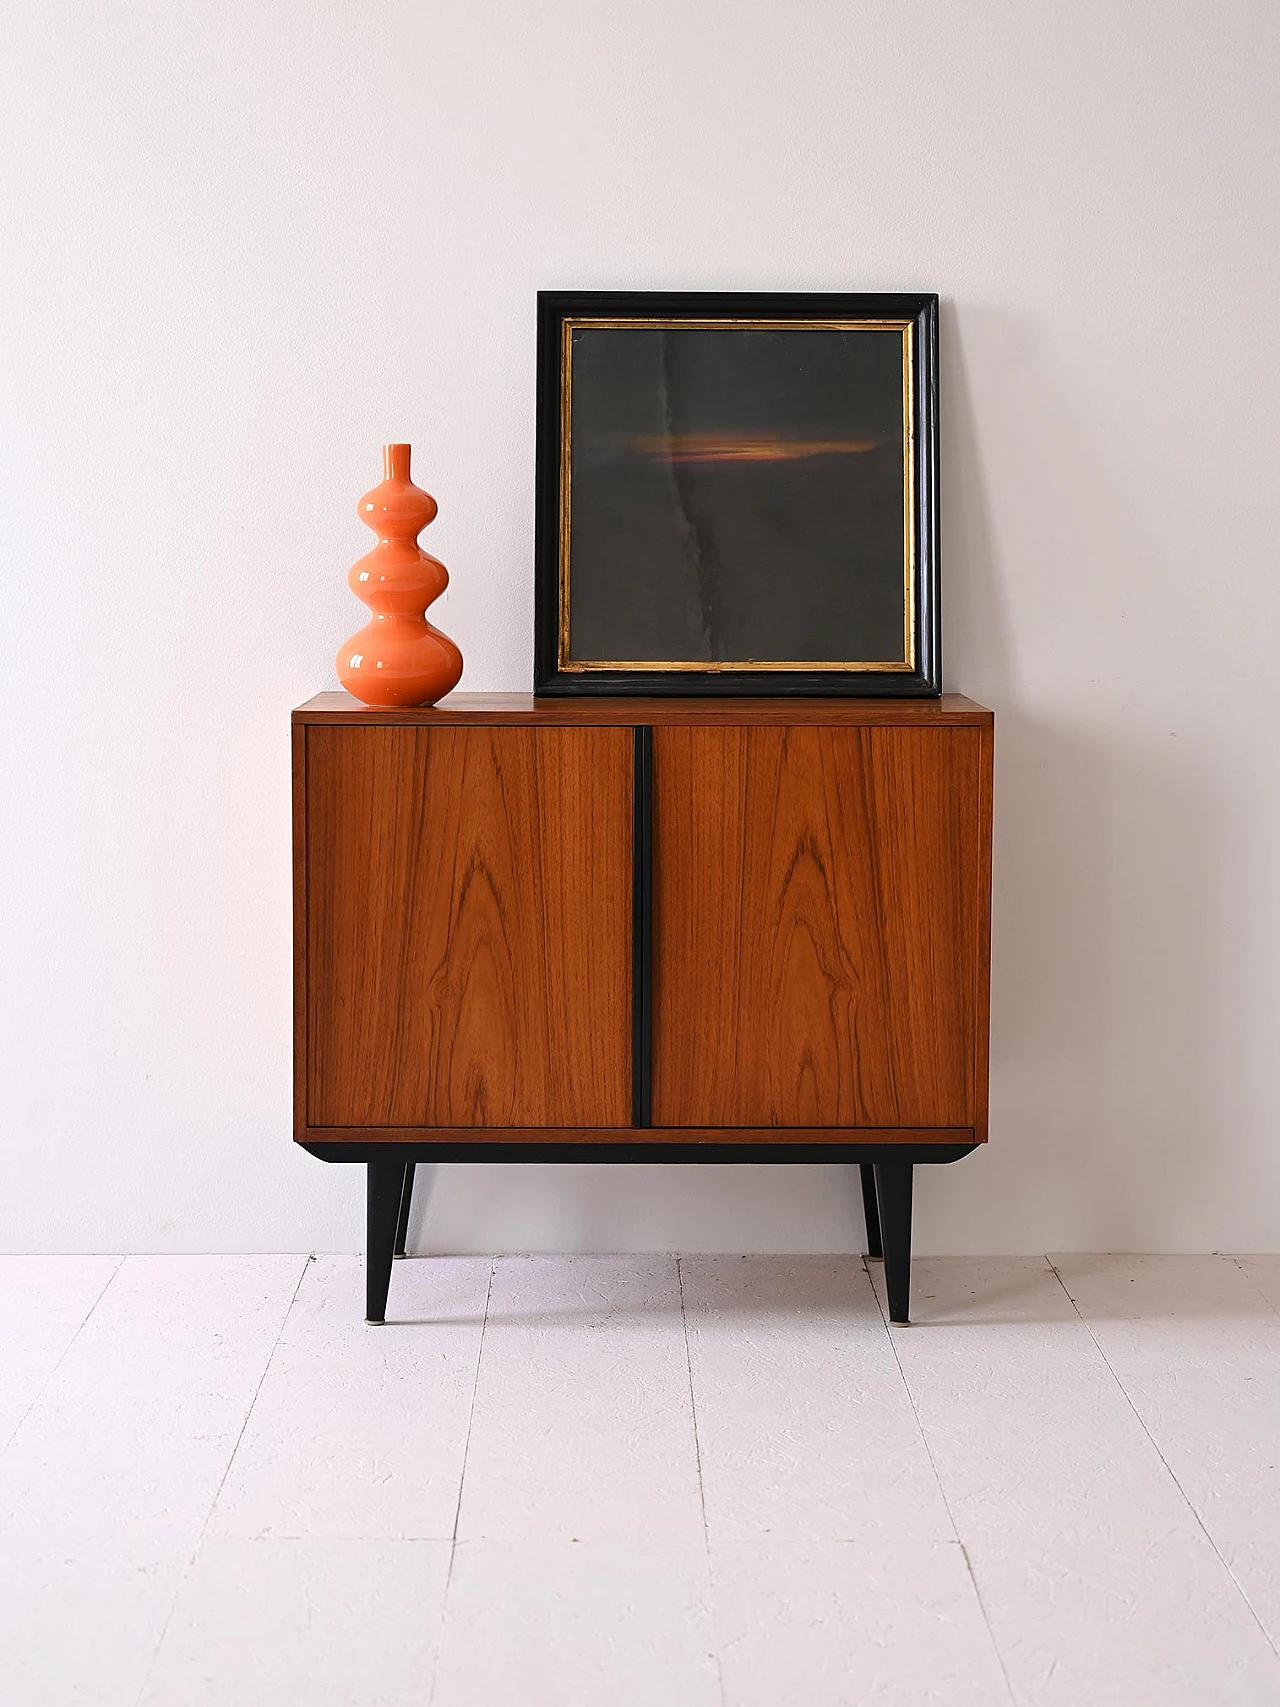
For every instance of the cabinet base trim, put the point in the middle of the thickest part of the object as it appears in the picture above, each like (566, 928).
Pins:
(726, 1146)
(591, 1137)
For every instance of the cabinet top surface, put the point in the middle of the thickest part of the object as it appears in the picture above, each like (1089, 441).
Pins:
(949, 709)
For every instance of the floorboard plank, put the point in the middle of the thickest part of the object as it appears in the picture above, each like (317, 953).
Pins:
(1099, 1583)
(329, 1623)
(583, 1427)
(578, 1624)
(110, 1477)
(805, 1430)
(361, 1431)
(1196, 1347)
(44, 1301)
(828, 1623)
(80, 1616)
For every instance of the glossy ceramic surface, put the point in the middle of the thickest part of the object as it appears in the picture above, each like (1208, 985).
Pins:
(398, 658)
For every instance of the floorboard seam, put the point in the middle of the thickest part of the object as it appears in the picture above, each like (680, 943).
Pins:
(942, 1492)
(702, 1495)
(185, 1576)
(462, 1477)
(40, 1392)
(1275, 1308)
(1155, 1446)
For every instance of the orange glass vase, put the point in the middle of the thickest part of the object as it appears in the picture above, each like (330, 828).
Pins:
(398, 658)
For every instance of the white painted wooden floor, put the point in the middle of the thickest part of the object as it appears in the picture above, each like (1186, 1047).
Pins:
(705, 1482)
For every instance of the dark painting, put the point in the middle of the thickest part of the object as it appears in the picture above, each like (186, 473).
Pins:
(738, 495)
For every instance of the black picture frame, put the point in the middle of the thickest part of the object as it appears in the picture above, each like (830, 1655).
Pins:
(557, 672)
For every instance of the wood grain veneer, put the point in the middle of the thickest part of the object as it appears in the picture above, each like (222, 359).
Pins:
(819, 925)
(467, 940)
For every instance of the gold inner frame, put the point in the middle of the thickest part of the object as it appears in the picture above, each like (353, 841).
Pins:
(717, 323)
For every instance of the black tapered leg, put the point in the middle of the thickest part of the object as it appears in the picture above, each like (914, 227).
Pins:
(385, 1191)
(893, 1193)
(870, 1209)
(406, 1203)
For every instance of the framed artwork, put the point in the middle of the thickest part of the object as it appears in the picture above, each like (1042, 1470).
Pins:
(737, 494)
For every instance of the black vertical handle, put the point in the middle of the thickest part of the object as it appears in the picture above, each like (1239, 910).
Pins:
(642, 931)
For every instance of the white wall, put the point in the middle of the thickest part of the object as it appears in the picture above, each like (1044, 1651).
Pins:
(246, 243)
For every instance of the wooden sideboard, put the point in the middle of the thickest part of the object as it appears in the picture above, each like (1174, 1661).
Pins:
(659, 929)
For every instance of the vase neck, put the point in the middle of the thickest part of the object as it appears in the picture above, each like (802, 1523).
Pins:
(395, 462)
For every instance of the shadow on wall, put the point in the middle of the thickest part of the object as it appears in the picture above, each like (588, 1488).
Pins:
(1104, 1060)
(1107, 1046)
(581, 1206)
(1110, 1055)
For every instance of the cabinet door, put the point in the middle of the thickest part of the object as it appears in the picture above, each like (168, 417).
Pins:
(819, 918)
(468, 926)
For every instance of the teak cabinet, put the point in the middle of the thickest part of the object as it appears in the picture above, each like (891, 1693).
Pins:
(664, 929)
